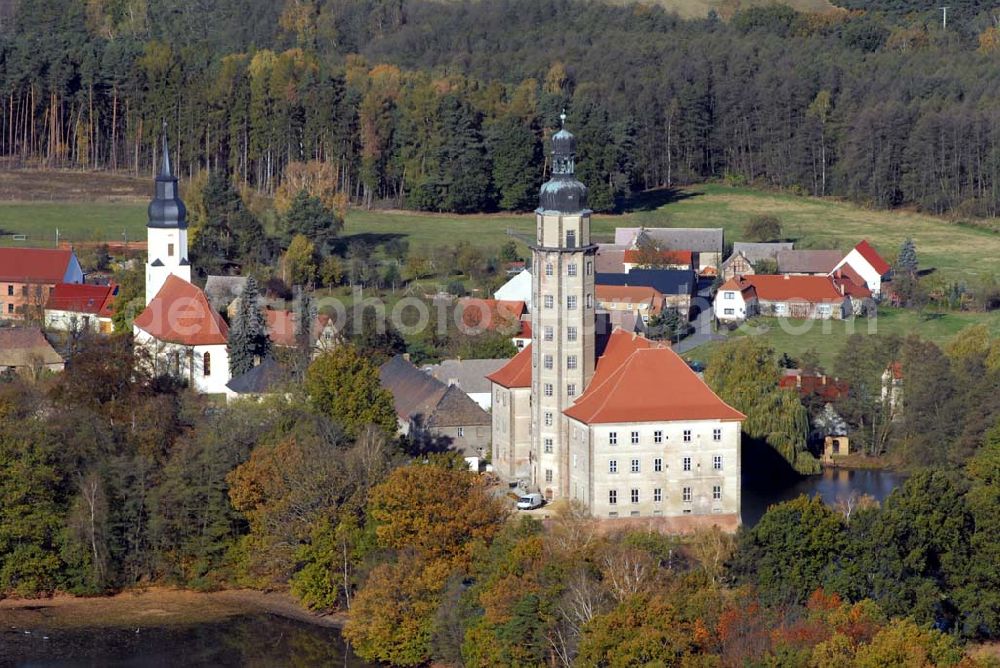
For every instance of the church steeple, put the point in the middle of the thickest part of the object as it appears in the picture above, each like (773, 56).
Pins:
(166, 210)
(562, 193)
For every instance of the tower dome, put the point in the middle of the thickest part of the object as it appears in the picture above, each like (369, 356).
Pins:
(563, 193)
(166, 210)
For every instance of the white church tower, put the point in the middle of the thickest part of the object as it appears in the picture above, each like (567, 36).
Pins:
(166, 231)
(563, 316)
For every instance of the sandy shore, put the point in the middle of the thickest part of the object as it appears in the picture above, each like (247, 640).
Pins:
(154, 606)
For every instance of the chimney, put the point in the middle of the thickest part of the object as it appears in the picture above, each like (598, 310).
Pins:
(842, 290)
(788, 277)
(406, 356)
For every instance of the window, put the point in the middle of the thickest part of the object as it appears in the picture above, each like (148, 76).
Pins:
(571, 333)
(635, 496)
(548, 418)
(547, 334)
(612, 466)
(170, 250)
(206, 364)
(730, 295)
(717, 462)
(716, 434)
(549, 301)
(590, 300)
(825, 310)
(547, 361)
(571, 390)
(571, 362)
(658, 465)
(571, 302)
(10, 290)
(635, 438)
(687, 463)
(548, 475)
(590, 267)
(548, 269)
(635, 466)
(548, 446)
(612, 496)
(10, 308)
(687, 435)
(570, 238)
(728, 311)
(686, 495)
(657, 495)
(657, 436)
(461, 432)
(571, 269)
(613, 438)
(717, 492)
(548, 389)
(780, 309)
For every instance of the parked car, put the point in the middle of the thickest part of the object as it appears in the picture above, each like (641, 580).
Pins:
(530, 502)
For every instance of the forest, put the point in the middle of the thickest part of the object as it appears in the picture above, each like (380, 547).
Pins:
(445, 106)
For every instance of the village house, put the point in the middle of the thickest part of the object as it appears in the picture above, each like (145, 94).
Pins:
(469, 376)
(808, 262)
(75, 307)
(660, 259)
(892, 389)
(517, 289)
(438, 415)
(26, 351)
(831, 430)
(808, 384)
(705, 244)
(268, 377)
(621, 425)
(746, 255)
(282, 330)
(610, 259)
(865, 267)
(27, 276)
(678, 287)
(811, 297)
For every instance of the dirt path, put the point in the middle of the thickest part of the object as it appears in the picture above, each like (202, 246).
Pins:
(156, 606)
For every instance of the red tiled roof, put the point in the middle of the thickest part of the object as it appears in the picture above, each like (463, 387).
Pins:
(525, 332)
(852, 289)
(281, 326)
(787, 288)
(830, 389)
(516, 373)
(651, 384)
(683, 257)
(491, 313)
(896, 369)
(741, 285)
(180, 313)
(872, 257)
(79, 298)
(34, 265)
(630, 294)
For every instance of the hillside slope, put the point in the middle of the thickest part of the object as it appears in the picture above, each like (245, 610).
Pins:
(693, 9)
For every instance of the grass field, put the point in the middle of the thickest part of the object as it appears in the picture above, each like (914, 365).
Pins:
(827, 337)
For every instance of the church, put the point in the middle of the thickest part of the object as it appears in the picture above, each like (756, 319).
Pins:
(616, 422)
(183, 335)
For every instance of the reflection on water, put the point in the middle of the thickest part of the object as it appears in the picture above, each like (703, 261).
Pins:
(257, 640)
(831, 485)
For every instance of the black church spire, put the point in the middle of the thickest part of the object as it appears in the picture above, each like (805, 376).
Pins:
(166, 210)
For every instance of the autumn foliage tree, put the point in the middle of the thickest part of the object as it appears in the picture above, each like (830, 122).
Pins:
(344, 385)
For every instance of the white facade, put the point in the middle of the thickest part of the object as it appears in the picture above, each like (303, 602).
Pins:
(71, 321)
(731, 306)
(517, 289)
(206, 368)
(167, 254)
(656, 469)
(512, 432)
(857, 262)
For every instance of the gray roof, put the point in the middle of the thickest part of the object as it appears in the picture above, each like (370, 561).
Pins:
(266, 377)
(665, 281)
(808, 261)
(610, 259)
(25, 347)
(695, 239)
(420, 397)
(223, 290)
(755, 252)
(468, 375)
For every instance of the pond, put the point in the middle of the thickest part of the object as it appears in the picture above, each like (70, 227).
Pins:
(760, 492)
(252, 640)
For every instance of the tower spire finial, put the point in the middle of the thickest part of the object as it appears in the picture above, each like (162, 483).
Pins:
(562, 118)
(165, 165)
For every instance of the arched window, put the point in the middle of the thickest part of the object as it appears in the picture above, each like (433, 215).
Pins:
(206, 364)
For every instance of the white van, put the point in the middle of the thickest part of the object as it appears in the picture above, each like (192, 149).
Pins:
(530, 502)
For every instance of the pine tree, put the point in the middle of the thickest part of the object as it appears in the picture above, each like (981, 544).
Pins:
(907, 262)
(248, 340)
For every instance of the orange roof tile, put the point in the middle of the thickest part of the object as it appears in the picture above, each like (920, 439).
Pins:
(80, 298)
(34, 265)
(872, 257)
(683, 257)
(741, 285)
(516, 373)
(788, 288)
(281, 326)
(491, 313)
(651, 384)
(630, 294)
(180, 313)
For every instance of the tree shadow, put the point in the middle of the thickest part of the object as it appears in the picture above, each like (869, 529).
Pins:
(650, 200)
(926, 272)
(370, 239)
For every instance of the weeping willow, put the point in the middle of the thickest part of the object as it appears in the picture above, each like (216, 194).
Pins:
(745, 373)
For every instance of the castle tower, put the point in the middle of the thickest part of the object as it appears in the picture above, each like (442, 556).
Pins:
(562, 315)
(166, 231)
